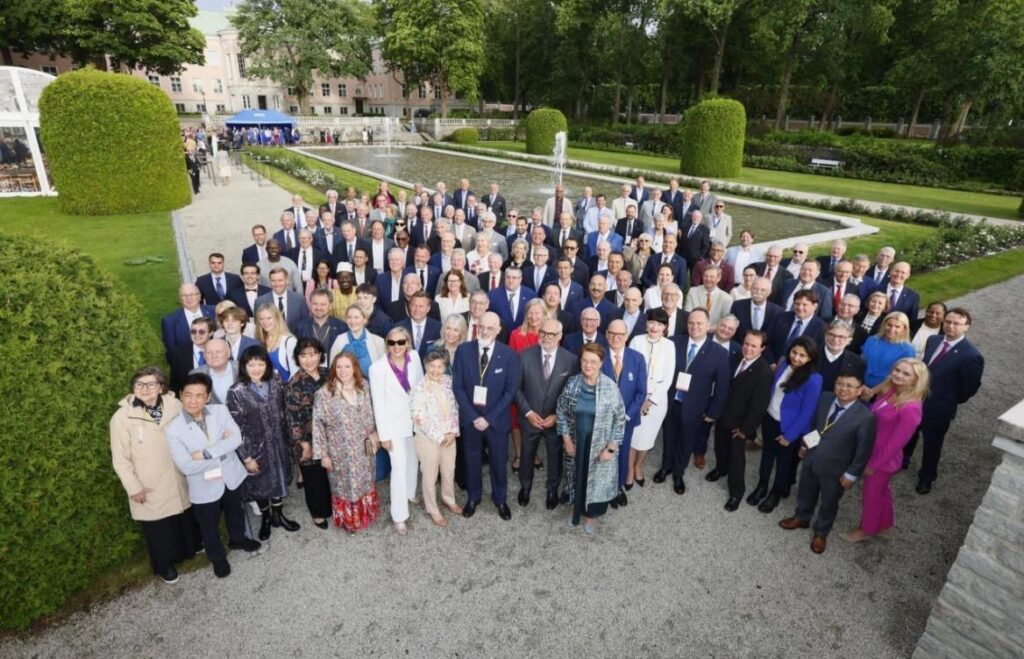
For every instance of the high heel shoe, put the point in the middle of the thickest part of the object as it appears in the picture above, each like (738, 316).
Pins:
(629, 486)
(322, 524)
(640, 481)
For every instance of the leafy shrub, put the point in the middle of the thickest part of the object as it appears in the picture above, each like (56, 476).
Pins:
(63, 513)
(955, 242)
(498, 134)
(650, 138)
(808, 137)
(541, 126)
(468, 135)
(114, 145)
(778, 163)
(713, 133)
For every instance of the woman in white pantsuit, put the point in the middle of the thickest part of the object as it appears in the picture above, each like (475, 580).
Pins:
(660, 356)
(392, 377)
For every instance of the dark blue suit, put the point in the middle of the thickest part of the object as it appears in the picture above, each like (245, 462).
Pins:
(742, 310)
(576, 294)
(778, 343)
(174, 328)
(431, 333)
(685, 430)
(209, 292)
(501, 380)
(608, 311)
(824, 298)
(633, 389)
(640, 195)
(279, 237)
(574, 342)
(433, 277)
(548, 277)
(908, 302)
(240, 299)
(499, 305)
(251, 254)
(649, 277)
(384, 284)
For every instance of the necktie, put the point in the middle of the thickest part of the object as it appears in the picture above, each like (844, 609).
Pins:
(768, 273)
(617, 366)
(494, 281)
(756, 321)
(474, 331)
(565, 236)
(690, 353)
(423, 280)
(838, 296)
(693, 227)
(743, 367)
(878, 275)
(547, 366)
(200, 359)
(629, 228)
(707, 304)
(942, 353)
(350, 250)
(219, 285)
(280, 303)
(665, 259)
(795, 332)
(512, 304)
(484, 360)
(419, 336)
(426, 232)
(304, 252)
(329, 239)
(892, 298)
(587, 342)
(837, 409)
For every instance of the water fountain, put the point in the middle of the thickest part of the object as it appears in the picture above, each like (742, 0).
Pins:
(388, 130)
(558, 156)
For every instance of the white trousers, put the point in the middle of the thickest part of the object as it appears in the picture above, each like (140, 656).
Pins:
(404, 473)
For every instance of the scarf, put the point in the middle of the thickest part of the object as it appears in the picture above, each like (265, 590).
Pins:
(358, 348)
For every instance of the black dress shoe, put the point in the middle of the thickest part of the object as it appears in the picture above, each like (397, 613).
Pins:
(524, 498)
(641, 481)
(923, 487)
(552, 501)
(769, 503)
(221, 568)
(170, 575)
(469, 509)
(757, 495)
(504, 512)
(321, 524)
(265, 526)
(732, 504)
(713, 476)
(680, 488)
(614, 503)
(660, 476)
(628, 486)
(623, 501)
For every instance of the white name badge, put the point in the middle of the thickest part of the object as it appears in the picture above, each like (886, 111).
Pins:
(812, 438)
(480, 396)
(213, 475)
(683, 381)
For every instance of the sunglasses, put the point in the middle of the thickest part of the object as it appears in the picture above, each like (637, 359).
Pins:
(397, 342)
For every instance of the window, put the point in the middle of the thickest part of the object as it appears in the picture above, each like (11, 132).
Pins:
(218, 86)
(175, 84)
(343, 110)
(197, 85)
(277, 102)
(405, 91)
(380, 91)
(241, 66)
(179, 108)
(290, 91)
(52, 70)
(422, 90)
(221, 109)
(246, 101)
(437, 91)
(343, 90)
(153, 80)
(325, 89)
(327, 109)
(293, 109)
(200, 107)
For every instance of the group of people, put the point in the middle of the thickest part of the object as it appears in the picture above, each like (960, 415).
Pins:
(348, 350)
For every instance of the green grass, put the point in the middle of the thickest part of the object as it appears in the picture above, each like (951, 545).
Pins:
(110, 241)
(344, 176)
(958, 280)
(952, 201)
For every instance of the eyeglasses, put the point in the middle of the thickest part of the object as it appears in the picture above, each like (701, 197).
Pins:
(396, 342)
(550, 335)
(150, 384)
(798, 251)
(569, 247)
(198, 332)
(615, 334)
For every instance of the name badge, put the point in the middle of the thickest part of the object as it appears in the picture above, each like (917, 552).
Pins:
(213, 474)
(480, 396)
(683, 381)
(812, 438)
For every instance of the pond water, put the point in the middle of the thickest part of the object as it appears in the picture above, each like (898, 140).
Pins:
(525, 187)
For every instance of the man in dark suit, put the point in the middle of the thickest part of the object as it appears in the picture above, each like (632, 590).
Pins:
(900, 297)
(669, 257)
(589, 321)
(834, 456)
(215, 285)
(306, 256)
(827, 264)
(956, 367)
(801, 321)
(839, 284)
(257, 251)
(673, 196)
(580, 270)
(485, 381)
(491, 276)
(630, 227)
(428, 275)
(724, 333)
(546, 368)
(245, 296)
(565, 230)
(595, 300)
(571, 292)
(399, 309)
(836, 356)
(460, 198)
(808, 281)
(321, 325)
(749, 394)
(288, 235)
(423, 329)
(879, 272)
(772, 270)
(509, 303)
(496, 203)
(292, 305)
(175, 326)
(701, 388)
(389, 282)
(298, 210)
(378, 321)
(424, 229)
(332, 206)
(696, 239)
(188, 356)
(348, 243)
(677, 316)
(756, 312)
(539, 272)
(327, 238)
(629, 370)
(639, 191)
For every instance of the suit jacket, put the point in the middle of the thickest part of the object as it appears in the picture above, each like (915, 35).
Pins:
(582, 206)
(231, 367)
(501, 380)
(908, 302)
(709, 384)
(847, 362)
(209, 292)
(873, 272)
(468, 237)
(529, 277)
(574, 342)
(460, 196)
(416, 235)
(608, 311)
(240, 299)
(954, 379)
(797, 409)
(849, 288)
(779, 279)
(649, 278)
(555, 237)
(575, 296)
(251, 254)
(431, 332)
(614, 239)
(280, 237)
(742, 310)
(433, 276)
(749, 395)
(845, 446)
(778, 344)
(551, 213)
(185, 437)
(317, 256)
(295, 305)
(675, 201)
(175, 329)
(639, 195)
(703, 203)
(499, 305)
(825, 263)
(694, 248)
(632, 382)
(535, 394)
(727, 281)
(485, 280)
(649, 210)
(622, 224)
(333, 254)
(721, 302)
(496, 205)
(682, 315)
(182, 362)
(399, 310)
(335, 327)
(338, 210)
(825, 311)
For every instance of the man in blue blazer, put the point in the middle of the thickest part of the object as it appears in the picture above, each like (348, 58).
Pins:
(175, 326)
(808, 280)
(697, 397)
(629, 370)
(572, 292)
(215, 285)
(604, 233)
(485, 380)
(389, 282)
(956, 367)
(510, 311)
(428, 275)
(801, 321)
(596, 300)
(757, 311)
(668, 256)
(423, 329)
(900, 297)
(291, 304)
(257, 251)
(245, 296)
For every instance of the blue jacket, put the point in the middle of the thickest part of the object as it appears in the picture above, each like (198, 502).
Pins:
(954, 379)
(499, 305)
(174, 328)
(501, 379)
(709, 384)
(798, 406)
(632, 383)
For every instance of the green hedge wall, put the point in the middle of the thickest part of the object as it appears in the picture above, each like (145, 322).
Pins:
(70, 352)
(468, 135)
(541, 126)
(713, 133)
(114, 145)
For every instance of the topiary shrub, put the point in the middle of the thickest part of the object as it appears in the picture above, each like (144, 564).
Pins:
(63, 513)
(468, 135)
(713, 133)
(114, 145)
(541, 126)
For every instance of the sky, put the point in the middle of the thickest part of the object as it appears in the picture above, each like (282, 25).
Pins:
(215, 5)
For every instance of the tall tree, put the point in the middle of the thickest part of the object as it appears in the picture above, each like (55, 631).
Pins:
(26, 27)
(716, 16)
(288, 40)
(436, 40)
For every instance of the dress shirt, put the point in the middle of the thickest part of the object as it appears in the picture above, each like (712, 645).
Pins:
(630, 320)
(794, 268)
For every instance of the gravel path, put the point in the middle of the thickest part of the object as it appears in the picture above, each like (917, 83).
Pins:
(666, 576)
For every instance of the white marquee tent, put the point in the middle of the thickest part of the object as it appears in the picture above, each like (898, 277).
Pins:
(23, 169)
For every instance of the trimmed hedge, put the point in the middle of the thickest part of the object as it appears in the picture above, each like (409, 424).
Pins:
(109, 136)
(541, 126)
(713, 133)
(63, 511)
(468, 135)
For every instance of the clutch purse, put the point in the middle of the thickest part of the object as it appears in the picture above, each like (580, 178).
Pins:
(368, 447)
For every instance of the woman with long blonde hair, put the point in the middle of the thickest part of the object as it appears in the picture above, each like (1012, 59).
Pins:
(273, 333)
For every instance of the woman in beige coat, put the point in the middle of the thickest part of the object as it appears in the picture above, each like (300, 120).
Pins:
(157, 492)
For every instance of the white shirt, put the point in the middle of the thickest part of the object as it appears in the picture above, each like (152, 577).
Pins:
(192, 315)
(696, 345)
(305, 265)
(775, 405)
(196, 352)
(830, 356)
(793, 267)
(221, 383)
(630, 321)
(565, 291)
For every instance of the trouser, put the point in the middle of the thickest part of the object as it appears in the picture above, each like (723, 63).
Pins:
(812, 487)
(532, 439)
(933, 430)
(497, 445)
(671, 438)
(436, 460)
(731, 459)
(171, 539)
(208, 516)
(317, 489)
(403, 477)
(774, 454)
(691, 437)
(627, 441)
(194, 175)
(877, 505)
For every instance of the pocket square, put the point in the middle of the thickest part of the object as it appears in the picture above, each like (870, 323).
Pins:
(499, 370)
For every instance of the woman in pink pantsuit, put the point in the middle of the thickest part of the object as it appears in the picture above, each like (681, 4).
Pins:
(898, 410)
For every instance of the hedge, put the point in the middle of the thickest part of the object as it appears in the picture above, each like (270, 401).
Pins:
(541, 126)
(63, 513)
(713, 132)
(468, 135)
(109, 136)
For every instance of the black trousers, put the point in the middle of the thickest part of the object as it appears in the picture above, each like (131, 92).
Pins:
(317, 489)
(208, 516)
(532, 439)
(671, 438)
(731, 459)
(774, 454)
(814, 485)
(194, 175)
(171, 540)
(933, 429)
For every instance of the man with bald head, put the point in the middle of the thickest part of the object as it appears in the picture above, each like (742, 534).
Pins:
(757, 311)
(485, 381)
(901, 298)
(222, 371)
(175, 326)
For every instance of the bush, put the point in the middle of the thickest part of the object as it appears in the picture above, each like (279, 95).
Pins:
(114, 145)
(468, 135)
(492, 134)
(955, 242)
(779, 163)
(63, 511)
(713, 134)
(541, 126)
(651, 138)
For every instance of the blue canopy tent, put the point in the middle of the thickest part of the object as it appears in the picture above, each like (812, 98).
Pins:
(261, 118)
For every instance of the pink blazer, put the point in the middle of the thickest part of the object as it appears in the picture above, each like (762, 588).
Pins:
(895, 428)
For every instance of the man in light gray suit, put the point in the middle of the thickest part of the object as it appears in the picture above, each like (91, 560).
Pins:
(545, 370)
(292, 305)
(703, 201)
(835, 454)
(222, 371)
(651, 208)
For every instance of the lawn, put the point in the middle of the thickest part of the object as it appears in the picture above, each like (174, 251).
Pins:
(111, 241)
(953, 201)
(344, 176)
